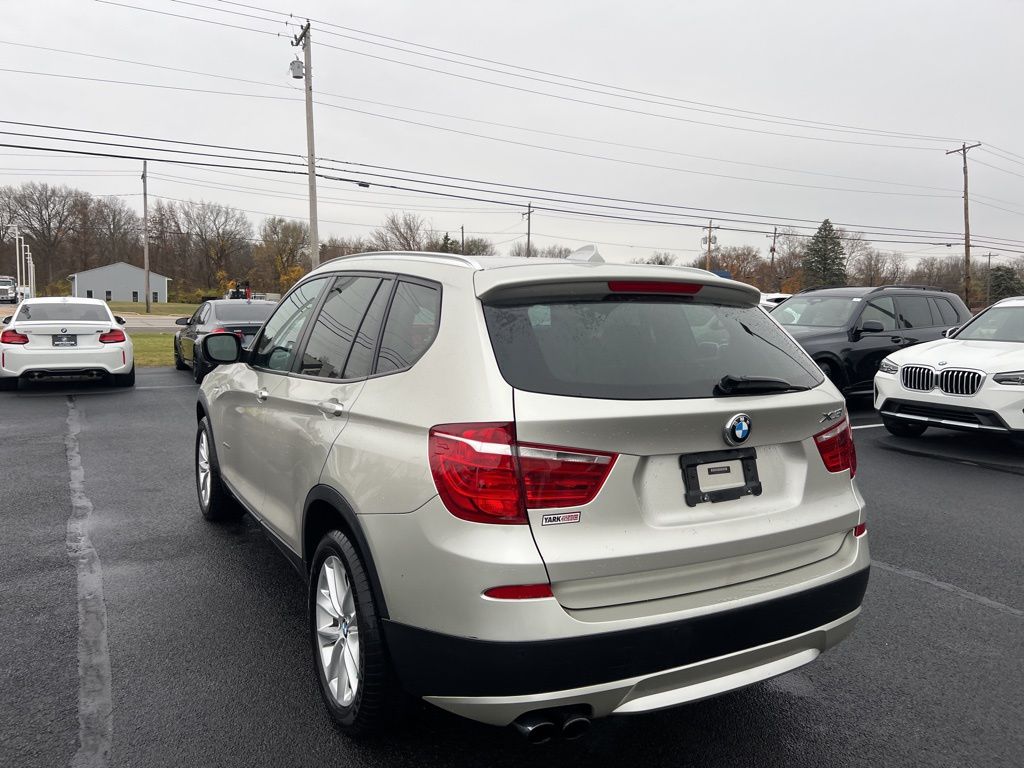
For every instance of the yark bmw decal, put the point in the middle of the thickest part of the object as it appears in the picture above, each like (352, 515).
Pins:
(560, 518)
(737, 429)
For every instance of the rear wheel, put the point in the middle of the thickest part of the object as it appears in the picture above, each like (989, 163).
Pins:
(215, 502)
(125, 379)
(8, 383)
(352, 666)
(831, 373)
(903, 428)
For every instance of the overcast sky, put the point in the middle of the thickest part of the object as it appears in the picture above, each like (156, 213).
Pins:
(937, 69)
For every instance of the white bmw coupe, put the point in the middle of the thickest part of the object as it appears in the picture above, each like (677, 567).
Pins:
(65, 337)
(973, 380)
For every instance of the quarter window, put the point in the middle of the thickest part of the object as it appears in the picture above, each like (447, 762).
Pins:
(411, 326)
(276, 345)
(330, 340)
(914, 312)
(946, 311)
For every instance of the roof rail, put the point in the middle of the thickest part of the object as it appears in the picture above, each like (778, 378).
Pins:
(820, 288)
(458, 258)
(914, 287)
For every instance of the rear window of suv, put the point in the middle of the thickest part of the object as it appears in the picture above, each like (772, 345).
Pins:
(639, 347)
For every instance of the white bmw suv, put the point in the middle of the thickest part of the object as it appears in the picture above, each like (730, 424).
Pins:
(538, 492)
(972, 381)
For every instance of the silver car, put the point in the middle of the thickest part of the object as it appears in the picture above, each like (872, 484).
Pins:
(538, 492)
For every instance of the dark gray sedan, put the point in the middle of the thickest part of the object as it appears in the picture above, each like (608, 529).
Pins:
(240, 317)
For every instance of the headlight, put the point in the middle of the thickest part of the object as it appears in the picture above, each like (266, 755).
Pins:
(888, 366)
(1013, 377)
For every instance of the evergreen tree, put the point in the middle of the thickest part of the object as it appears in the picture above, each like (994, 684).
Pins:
(824, 261)
(1005, 282)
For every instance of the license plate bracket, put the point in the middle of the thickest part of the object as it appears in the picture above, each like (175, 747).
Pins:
(65, 340)
(692, 465)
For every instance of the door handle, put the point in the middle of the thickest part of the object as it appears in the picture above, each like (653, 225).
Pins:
(331, 407)
(896, 339)
(262, 395)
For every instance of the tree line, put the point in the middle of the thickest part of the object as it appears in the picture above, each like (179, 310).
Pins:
(834, 257)
(205, 247)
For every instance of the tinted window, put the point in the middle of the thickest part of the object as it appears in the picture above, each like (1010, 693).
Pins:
(360, 359)
(330, 341)
(946, 312)
(816, 311)
(915, 312)
(276, 344)
(243, 312)
(64, 313)
(410, 328)
(996, 324)
(638, 348)
(204, 314)
(881, 310)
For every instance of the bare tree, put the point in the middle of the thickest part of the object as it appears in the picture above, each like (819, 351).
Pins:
(281, 256)
(401, 232)
(222, 238)
(555, 251)
(47, 216)
(661, 258)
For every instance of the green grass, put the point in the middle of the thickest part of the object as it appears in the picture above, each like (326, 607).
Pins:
(172, 308)
(153, 349)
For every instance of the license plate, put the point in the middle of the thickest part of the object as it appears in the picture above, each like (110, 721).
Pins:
(720, 475)
(65, 340)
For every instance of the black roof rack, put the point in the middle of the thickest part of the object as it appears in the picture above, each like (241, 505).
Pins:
(913, 287)
(820, 288)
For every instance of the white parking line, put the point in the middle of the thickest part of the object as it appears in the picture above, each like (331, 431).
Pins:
(95, 716)
(926, 579)
(867, 426)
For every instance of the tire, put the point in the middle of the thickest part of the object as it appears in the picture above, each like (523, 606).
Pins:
(903, 429)
(8, 383)
(376, 700)
(215, 502)
(198, 368)
(179, 364)
(125, 379)
(830, 373)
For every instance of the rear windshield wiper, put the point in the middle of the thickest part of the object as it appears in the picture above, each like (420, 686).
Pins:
(752, 385)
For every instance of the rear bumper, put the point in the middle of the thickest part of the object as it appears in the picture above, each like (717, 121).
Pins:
(631, 670)
(60, 363)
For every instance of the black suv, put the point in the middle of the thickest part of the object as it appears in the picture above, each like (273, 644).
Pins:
(848, 331)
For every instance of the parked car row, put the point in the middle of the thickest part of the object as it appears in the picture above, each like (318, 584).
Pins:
(239, 317)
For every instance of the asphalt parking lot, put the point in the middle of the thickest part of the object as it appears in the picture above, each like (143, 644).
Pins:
(197, 652)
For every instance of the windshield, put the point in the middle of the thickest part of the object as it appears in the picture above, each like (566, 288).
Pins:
(63, 313)
(7, 282)
(997, 324)
(643, 348)
(816, 311)
(243, 313)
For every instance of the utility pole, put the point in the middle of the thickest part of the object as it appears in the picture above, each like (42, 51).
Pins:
(145, 237)
(710, 240)
(988, 282)
(462, 229)
(967, 224)
(775, 275)
(304, 38)
(17, 259)
(529, 218)
(30, 270)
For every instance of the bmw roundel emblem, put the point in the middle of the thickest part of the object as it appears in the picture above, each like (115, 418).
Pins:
(63, 330)
(737, 429)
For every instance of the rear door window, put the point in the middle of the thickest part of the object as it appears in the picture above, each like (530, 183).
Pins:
(640, 348)
(330, 340)
(946, 311)
(915, 312)
(275, 348)
(411, 326)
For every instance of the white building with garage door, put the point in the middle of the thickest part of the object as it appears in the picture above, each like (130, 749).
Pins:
(119, 282)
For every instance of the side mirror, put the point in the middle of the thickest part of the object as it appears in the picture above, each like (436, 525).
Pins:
(119, 320)
(872, 326)
(182, 321)
(8, 319)
(222, 348)
(948, 333)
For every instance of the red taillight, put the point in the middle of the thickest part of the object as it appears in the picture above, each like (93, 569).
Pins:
(239, 334)
(112, 337)
(859, 530)
(484, 476)
(653, 286)
(13, 337)
(836, 447)
(519, 592)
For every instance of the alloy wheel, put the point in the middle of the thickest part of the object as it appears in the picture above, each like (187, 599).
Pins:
(337, 631)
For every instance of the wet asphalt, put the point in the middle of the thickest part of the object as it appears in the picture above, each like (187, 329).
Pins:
(207, 662)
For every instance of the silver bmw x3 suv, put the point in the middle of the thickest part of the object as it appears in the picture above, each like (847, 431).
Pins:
(538, 492)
